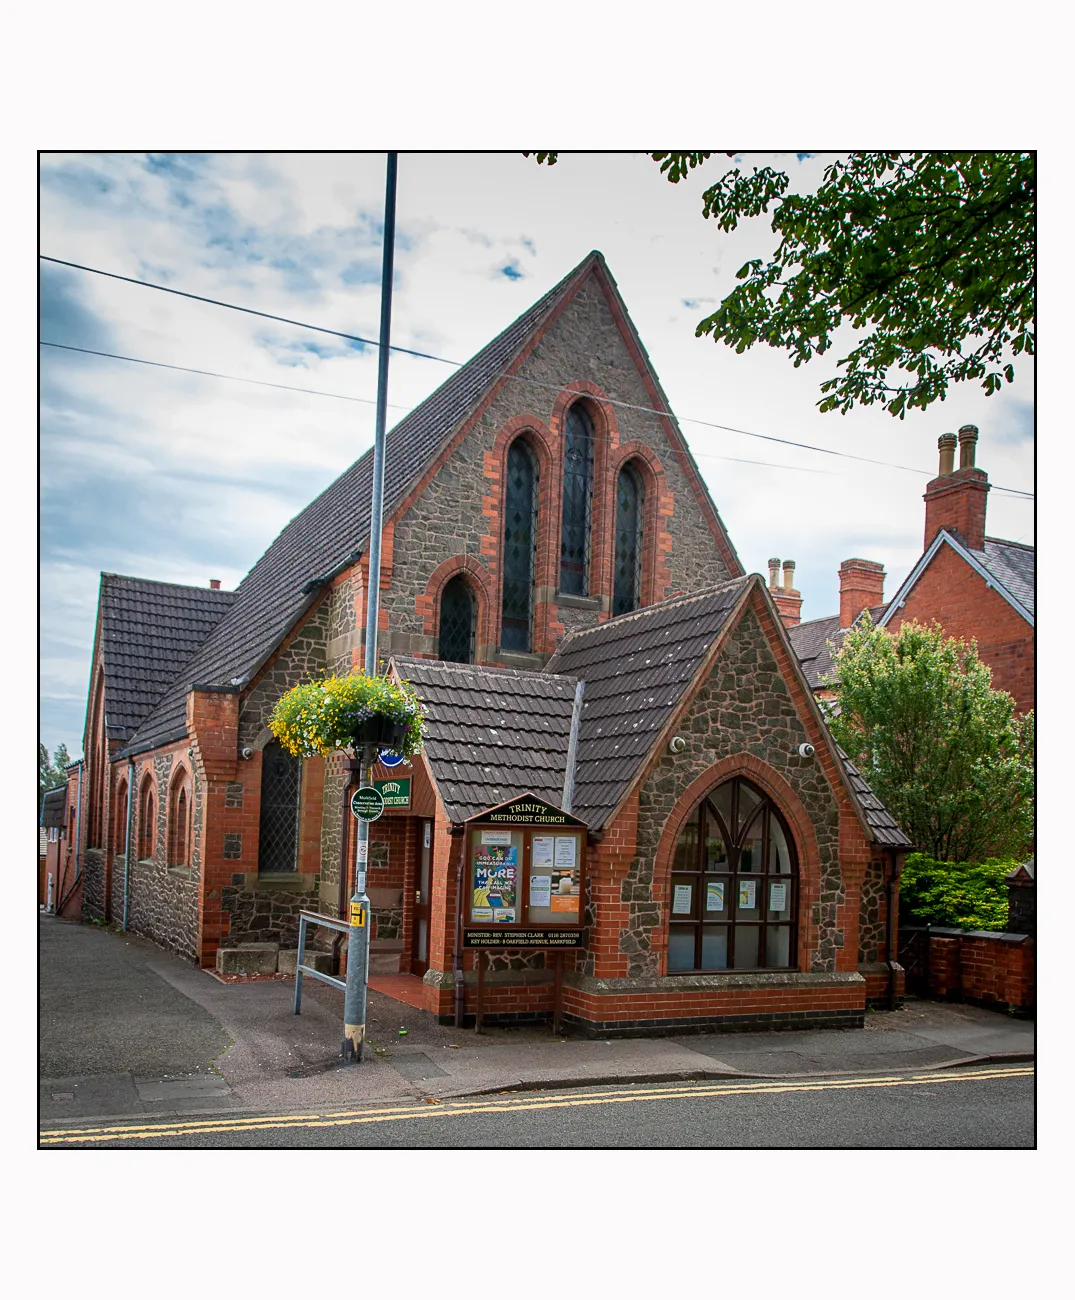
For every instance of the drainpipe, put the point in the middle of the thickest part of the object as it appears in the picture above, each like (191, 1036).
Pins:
(460, 992)
(78, 821)
(127, 852)
(892, 892)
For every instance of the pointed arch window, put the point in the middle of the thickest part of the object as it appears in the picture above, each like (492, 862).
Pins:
(577, 506)
(456, 640)
(627, 571)
(146, 820)
(179, 822)
(278, 824)
(520, 533)
(119, 833)
(734, 887)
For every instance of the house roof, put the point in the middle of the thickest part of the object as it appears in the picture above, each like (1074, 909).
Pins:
(1012, 564)
(1007, 567)
(810, 642)
(148, 631)
(636, 668)
(329, 534)
(492, 733)
(53, 807)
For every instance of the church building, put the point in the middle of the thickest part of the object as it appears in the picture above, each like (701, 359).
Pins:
(621, 740)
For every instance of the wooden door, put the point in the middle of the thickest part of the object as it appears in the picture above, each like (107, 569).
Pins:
(423, 888)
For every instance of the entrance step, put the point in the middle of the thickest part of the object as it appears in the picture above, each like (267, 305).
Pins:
(289, 958)
(248, 959)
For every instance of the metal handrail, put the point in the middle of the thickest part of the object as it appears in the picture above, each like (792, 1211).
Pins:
(331, 923)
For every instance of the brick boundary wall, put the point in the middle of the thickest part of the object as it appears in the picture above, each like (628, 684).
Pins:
(983, 967)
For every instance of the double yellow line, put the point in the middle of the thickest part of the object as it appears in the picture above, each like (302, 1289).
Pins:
(434, 1109)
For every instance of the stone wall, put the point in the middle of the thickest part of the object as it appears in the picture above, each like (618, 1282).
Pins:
(303, 659)
(266, 910)
(872, 913)
(744, 707)
(453, 516)
(93, 885)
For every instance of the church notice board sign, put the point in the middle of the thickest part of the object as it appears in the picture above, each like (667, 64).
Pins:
(525, 877)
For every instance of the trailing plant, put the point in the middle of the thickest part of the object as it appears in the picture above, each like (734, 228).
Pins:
(967, 895)
(319, 717)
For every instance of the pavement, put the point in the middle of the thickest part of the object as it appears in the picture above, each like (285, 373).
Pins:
(128, 1028)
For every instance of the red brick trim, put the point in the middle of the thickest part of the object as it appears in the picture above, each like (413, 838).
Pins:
(482, 586)
(658, 507)
(791, 806)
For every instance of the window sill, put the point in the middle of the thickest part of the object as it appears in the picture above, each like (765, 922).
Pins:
(181, 873)
(578, 602)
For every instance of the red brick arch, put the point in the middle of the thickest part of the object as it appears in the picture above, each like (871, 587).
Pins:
(791, 806)
(482, 585)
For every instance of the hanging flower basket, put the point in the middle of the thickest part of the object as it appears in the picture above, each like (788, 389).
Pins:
(347, 712)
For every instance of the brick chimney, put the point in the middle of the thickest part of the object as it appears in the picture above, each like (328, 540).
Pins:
(787, 600)
(862, 585)
(214, 583)
(956, 498)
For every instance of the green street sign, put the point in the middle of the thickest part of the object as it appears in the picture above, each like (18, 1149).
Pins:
(367, 803)
(396, 791)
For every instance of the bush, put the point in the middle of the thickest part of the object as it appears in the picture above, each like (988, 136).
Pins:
(965, 895)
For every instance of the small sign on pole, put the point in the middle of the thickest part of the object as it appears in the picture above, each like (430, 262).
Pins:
(367, 803)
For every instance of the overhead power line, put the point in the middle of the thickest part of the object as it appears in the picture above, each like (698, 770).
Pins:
(429, 356)
(345, 397)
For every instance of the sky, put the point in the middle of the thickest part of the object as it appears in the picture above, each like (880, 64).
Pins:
(185, 478)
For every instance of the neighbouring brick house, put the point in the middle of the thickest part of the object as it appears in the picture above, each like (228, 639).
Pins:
(976, 587)
(546, 531)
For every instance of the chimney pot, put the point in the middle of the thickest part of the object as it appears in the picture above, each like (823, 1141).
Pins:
(968, 437)
(789, 575)
(946, 444)
(214, 583)
(774, 572)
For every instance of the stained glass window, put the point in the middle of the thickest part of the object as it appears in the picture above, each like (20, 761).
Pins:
(627, 573)
(519, 536)
(456, 642)
(577, 502)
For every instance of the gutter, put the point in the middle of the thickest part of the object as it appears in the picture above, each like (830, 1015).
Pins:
(78, 822)
(892, 893)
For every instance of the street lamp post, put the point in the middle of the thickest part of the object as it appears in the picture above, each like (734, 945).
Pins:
(358, 941)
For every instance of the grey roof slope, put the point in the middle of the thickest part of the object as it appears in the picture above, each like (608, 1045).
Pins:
(810, 642)
(52, 808)
(149, 630)
(492, 732)
(636, 668)
(882, 824)
(326, 536)
(1012, 564)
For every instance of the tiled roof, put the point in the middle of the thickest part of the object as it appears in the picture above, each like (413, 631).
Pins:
(328, 534)
(492, 732)
(1012, 564)
(52, 808)
(882, 824)
(149, 630)
(636, 668)
(810, 643)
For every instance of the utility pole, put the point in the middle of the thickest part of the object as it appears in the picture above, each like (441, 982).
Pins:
(358, 939)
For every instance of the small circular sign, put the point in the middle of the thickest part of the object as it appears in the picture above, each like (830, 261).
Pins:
(388, 759)
(367, 803)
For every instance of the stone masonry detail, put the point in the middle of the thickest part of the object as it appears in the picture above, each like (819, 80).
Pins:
(744, 706)
(302, 659)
